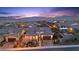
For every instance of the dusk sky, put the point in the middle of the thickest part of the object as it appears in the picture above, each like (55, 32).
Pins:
(38, 11)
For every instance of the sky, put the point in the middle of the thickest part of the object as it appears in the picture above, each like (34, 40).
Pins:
(38, 11)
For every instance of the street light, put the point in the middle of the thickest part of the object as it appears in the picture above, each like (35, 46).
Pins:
(70, 30)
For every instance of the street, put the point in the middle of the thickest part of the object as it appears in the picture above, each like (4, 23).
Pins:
(46, 48)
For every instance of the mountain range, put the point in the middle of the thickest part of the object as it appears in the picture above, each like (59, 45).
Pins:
(14, 19)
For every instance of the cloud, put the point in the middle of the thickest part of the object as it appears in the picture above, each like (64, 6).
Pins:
(61, 12)
(5, 13)
(65, 10)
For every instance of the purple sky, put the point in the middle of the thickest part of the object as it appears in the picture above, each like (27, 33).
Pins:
(38, 11)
